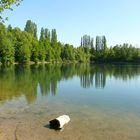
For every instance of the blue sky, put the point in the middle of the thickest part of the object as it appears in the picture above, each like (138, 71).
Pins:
(118, 20)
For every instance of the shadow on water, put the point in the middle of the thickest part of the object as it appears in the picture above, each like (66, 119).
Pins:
(25, 80)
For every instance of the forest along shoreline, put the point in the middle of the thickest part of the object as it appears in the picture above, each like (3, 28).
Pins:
(24, 46)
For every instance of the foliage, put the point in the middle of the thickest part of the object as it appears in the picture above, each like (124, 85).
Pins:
(6, 46)
(67, 53)
(24, 46)
(7, 4)
(31, 28)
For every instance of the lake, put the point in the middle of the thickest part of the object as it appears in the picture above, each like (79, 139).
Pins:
(103, 101)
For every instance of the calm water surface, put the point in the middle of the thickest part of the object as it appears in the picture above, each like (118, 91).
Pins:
(103, 101)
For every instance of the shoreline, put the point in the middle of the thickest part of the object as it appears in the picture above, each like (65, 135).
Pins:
(69, 62)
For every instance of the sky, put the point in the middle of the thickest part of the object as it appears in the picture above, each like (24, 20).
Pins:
(118, 20)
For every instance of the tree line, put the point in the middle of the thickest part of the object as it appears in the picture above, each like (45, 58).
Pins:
(25, 47)
(100, 52)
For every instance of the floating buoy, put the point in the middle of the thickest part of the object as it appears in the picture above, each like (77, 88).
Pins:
(59, 122)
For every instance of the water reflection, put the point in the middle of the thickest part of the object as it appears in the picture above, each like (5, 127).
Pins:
(17, 81)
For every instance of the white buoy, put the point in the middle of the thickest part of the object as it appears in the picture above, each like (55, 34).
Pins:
(59, 122)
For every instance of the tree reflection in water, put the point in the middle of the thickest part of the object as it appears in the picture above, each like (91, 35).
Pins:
(23, 80)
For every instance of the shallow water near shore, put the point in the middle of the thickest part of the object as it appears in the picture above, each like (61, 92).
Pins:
(103, 101)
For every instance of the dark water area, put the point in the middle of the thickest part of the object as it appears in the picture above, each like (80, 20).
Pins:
(103, 101)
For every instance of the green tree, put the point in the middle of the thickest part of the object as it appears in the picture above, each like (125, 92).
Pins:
(31, 28)
(47, 43)
(22, 45)
(7, 4)
(9, 28)
(41, 49)
(80, 55)
(104, 42)
(53, 37)
(99, 43)
(6, 46)
(68, 53)
(35, 50)
(56, 50)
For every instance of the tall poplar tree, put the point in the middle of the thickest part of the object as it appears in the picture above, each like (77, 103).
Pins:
(55, 47)
(104, 42)
(41, 49)
(48, 48)
(31, 28)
